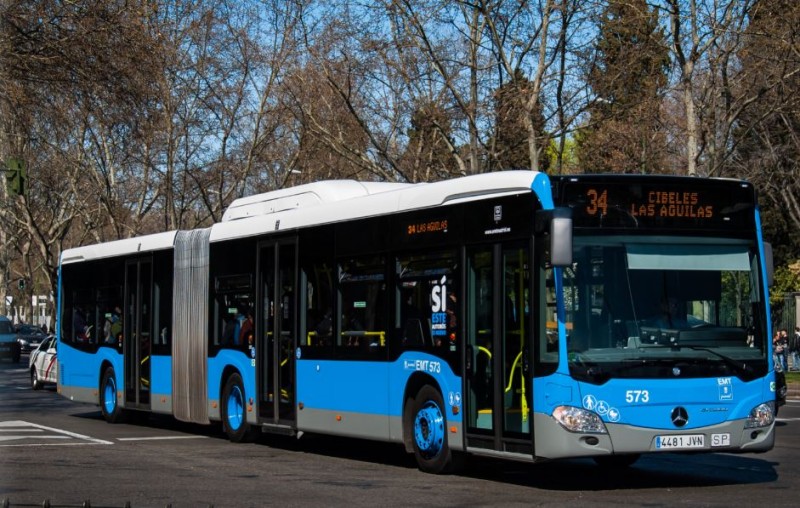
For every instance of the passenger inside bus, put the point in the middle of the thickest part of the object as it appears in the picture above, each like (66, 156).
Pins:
(81, 331)
(246, 329)
(324, 329)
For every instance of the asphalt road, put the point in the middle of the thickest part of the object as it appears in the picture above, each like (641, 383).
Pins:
(64, 453)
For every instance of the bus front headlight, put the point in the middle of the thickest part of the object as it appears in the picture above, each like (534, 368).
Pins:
(576, 419)
(761, 416)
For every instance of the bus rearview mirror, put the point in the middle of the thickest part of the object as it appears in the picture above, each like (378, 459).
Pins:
(561, 237)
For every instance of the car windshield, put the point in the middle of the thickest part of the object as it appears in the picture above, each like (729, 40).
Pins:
(664, 307)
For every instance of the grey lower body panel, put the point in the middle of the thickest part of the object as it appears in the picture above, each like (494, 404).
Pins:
(554, 442)
(78, 394)
(366, 426)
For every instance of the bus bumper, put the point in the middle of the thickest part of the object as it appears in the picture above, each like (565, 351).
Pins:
(552, 441)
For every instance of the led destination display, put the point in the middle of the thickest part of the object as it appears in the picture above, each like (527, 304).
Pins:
(673, 202)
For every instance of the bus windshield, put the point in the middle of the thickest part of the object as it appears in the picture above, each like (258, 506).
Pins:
(664, 307)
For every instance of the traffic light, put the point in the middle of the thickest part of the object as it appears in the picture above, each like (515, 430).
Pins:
(21, 284)
(16, 177)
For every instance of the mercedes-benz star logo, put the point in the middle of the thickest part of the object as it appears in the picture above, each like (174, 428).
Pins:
(679, 416)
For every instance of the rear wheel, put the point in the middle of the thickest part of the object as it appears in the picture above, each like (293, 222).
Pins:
(431, 449)
(35, 383)
(109, 405)
(234, 410)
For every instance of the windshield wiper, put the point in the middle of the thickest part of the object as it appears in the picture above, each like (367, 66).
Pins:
(741, 369)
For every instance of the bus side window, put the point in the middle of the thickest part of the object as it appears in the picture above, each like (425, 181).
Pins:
(363, 293)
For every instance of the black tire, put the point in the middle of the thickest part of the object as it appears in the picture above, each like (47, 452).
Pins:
(616, 461)
(109, 404)
(429, 432)
(17, 356)
(35, 383)
(234, 410)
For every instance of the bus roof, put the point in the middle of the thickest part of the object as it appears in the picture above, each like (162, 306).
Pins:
(381, 202)
(322, 203)
(305, 196)
(157, 241)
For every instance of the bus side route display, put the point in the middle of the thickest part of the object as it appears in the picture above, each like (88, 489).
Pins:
(663, 202)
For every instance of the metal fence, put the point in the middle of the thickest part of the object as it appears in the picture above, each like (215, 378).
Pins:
(785, 314)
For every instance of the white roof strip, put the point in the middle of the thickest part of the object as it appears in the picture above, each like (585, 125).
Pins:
(158, 241)
(405, 197)
(304, 196)
(322, 203)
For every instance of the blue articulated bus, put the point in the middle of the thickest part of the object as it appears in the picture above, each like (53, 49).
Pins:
(511, 315)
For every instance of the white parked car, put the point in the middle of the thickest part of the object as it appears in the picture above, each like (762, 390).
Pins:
(43, 364)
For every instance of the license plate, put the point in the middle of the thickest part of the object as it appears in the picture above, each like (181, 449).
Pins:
(680, 442)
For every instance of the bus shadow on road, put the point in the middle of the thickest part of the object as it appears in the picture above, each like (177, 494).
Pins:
(667, 470)
(650, 471)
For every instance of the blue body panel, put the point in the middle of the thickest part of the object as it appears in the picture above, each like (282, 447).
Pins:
(82, 370)
(161, 375)
(647, 403)
(371, 387)
(239, 361)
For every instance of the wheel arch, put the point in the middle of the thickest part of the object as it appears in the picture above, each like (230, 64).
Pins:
(227, 372)
(414, 384)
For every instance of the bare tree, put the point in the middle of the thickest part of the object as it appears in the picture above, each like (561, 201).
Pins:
(705, 36)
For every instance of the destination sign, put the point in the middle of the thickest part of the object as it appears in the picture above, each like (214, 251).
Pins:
(664, 202)
(672, 204)
(426, 227)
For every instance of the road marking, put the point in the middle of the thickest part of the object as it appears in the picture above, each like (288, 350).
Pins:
(15, 438)
(16, 430)
(787, 419)
(159, 438)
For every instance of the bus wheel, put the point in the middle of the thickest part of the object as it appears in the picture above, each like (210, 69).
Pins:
(234, 413)
(430, 432)
(108, 397)
(616, 461)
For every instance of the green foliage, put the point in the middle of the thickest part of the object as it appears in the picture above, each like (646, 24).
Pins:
(16, 177)
(511, 144)
(786, 281)
(627, 75)
(569, 158)
(428, 155)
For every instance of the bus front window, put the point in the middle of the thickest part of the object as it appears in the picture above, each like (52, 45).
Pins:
(636, 307)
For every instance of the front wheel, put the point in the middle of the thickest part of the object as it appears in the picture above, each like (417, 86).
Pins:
(109, 405)
(430, 432)
(234, 410)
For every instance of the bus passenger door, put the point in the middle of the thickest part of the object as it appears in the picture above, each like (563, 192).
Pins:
(137, 333)
(497, 372)
(275, 331)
